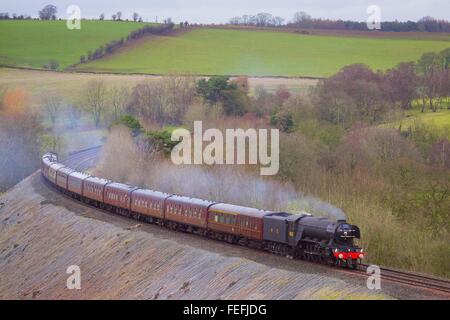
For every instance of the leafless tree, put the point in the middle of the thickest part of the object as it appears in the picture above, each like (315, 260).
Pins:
(119, 97)
(52, 104)
(135, 16)
(263, 19)
(166, 100)
(95, 98)
(302, 19)
(278, 21)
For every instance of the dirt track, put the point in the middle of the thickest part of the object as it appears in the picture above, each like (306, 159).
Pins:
(43, 233)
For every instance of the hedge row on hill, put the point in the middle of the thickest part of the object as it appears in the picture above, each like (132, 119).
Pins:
(112, 46)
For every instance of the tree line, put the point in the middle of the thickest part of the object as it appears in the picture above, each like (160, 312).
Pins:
(49, 12)
(304, 21)
(113, 45)
(14, 16)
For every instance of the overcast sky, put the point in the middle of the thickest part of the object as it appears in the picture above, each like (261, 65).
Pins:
(214, 11)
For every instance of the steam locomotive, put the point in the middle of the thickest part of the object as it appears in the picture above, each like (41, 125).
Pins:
(297, 236)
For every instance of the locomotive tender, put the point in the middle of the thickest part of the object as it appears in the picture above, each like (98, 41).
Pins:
(300, 236)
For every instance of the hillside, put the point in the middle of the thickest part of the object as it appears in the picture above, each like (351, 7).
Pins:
(32, 43)
(42, 233)
(261, 53)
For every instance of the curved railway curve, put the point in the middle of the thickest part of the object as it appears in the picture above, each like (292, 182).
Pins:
(83, 160)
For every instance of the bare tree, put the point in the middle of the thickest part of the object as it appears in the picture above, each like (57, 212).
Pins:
(95, 98)
(52, 104)
(163, 101)
(278, 21)
(114, 17)
(301, 18)
(430, 68)
(119, 15)
(102, 16)
(119, 97)
(263, 19)
(135, 16)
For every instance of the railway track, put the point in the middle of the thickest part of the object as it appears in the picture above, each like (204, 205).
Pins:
(84, 159)
(410, 278)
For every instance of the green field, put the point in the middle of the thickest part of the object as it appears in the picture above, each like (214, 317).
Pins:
(261, 53)
(439, 120)
(33, 43)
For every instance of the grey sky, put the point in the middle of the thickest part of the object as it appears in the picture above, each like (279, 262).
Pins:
(208, 11)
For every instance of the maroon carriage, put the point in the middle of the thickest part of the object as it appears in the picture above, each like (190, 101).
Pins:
(52, 171)
(188, 211)
(62, 176)
(118, 195)
(93, 188)
(75, 182)
(149, 203)
(236, 220)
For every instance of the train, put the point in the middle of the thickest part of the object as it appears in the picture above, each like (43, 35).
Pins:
(296, 236)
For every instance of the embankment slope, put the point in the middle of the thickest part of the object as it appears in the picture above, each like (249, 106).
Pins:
(42, 233)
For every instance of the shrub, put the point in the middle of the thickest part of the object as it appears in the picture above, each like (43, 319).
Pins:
(132, 123)
(51, 65)
(161, 140)
(283, 120)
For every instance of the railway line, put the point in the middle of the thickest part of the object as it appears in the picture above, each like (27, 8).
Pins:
(410, 278)
(84, 159)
